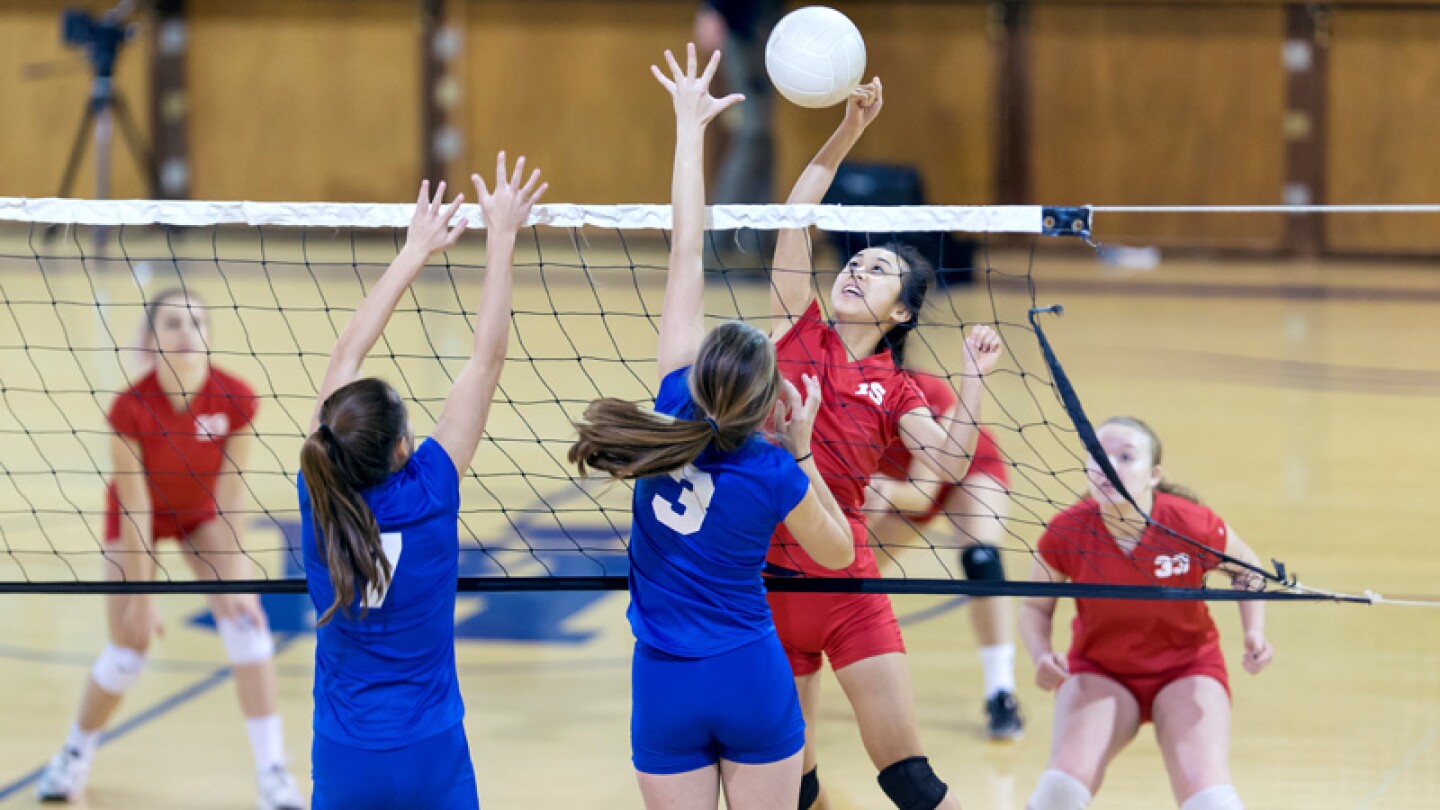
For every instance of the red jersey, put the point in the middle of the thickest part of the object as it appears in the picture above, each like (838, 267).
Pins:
(181, 451)
(859, 418)
(937, 391)
(1125, 636)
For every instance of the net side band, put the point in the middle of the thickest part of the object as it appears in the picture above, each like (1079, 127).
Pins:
(876, 219)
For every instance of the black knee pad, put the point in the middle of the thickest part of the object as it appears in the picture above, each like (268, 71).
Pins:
(809, 788)
(983, 563)
(912, 785)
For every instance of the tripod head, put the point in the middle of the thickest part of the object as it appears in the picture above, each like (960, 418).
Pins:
(101, 38)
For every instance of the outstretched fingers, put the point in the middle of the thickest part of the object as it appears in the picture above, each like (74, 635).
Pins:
(660, 76)
(710, 66)
(729, 101)
(675, 70)
(500, 169)
(532, 188)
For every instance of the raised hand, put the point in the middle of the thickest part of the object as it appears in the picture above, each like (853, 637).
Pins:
(982, 351)
(691, 89)
(430, 231)
(794, 418)
(507, 208)
(864, 104)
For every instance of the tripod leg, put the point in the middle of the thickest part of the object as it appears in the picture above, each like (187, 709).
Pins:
(104, 123)
(77, 150)
(144, 160)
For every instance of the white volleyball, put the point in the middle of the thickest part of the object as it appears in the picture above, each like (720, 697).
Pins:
(815, 56)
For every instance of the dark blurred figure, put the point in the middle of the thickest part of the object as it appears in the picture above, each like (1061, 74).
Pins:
(746, 168)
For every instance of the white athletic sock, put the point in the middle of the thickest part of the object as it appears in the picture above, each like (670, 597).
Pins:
(1215, 797)
(999, 664)
(83, 741)
(267, 741)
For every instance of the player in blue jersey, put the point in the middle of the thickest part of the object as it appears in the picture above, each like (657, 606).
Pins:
(380, 535)
(713, 701)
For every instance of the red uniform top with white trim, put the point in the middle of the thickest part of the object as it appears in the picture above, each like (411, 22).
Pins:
(863, 402)
(181, 450)
(1125, 636)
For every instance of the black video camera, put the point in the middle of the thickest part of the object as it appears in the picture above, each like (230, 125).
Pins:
(101, 38)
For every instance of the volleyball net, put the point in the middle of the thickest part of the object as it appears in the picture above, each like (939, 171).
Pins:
(277, 283)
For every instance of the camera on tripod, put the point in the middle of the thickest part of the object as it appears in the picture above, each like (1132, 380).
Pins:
(100, 37)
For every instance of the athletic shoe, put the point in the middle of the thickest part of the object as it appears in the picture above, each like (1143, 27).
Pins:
(278, 790)
(63, 779)
(1002, 712)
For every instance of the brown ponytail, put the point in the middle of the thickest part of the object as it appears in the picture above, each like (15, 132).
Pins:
(360, 426)
(734, 383)
(1166, 485)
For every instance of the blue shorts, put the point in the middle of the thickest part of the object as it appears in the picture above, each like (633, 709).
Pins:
(433, 773)
(690, 713)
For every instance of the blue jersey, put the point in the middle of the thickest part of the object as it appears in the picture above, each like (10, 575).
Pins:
(699, 538)
(388, 680)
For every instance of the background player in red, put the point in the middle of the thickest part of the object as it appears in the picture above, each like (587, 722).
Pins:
(181, 437)
(869, 403)
(1134, 662)
(905, 498)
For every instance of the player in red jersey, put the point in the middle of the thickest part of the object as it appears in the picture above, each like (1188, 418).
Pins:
(181, 437)
(869, 403)
(905, 498)
(1135, 662)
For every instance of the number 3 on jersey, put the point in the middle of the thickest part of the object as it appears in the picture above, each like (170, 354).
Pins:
(686, 512)
(391, 542)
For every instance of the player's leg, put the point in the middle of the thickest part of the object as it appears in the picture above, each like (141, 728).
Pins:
(761, 787)
(812, 795)
(244, 630)
(1192, 725)
(802, 623)
(978, 509)
(130, 623)
(879, 690)
(1095, 718)
(698, 789)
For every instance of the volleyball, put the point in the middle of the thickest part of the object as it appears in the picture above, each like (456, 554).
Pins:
(815, 56)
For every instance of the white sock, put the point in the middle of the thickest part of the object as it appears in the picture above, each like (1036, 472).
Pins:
(267, 741)
(1215, 797)
(999, 664)
(83, 741)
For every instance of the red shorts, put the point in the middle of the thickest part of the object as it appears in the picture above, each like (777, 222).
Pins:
(844, 627)
(1145, 687)
(164, 525)
(987, 461)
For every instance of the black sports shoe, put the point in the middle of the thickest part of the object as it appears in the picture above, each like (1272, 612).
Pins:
(1002, 713)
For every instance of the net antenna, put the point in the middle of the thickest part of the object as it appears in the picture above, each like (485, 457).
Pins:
(1088, 437)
